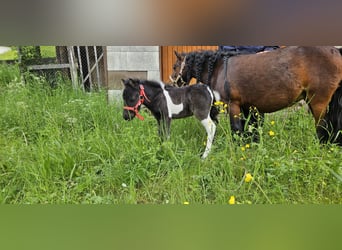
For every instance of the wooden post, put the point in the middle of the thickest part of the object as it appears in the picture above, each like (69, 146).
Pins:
(89, 70)
(73, 68)
(97, 68)
(62, 54)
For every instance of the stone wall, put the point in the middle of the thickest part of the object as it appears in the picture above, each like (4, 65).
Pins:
(132, 61)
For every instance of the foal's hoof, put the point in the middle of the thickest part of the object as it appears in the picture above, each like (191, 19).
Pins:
(204, 156)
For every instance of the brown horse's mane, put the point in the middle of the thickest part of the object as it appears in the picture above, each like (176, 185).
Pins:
(200, 61)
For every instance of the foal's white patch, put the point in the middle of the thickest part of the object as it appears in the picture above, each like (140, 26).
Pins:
(211, 94)
(173, 109)
(217, 95)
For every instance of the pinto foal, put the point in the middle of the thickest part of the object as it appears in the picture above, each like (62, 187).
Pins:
(168, 102)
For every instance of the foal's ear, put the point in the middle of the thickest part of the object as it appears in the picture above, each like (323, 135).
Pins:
(124, 82)
(127, 81)
(130, 82)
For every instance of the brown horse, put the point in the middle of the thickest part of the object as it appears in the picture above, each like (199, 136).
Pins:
(271, 81)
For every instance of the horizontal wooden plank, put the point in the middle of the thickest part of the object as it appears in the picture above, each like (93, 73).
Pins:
(48, 66)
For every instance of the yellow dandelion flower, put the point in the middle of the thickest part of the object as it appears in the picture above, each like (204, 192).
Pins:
(247, 146)
(218, 103)
(225, 105)
(231, 200)
(272, 123)
(248, 177)
(222, 111)
(271, 133)
(243, 148)
(186, 203)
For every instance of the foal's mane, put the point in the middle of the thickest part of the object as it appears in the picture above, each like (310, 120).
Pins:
(197, 60)
(150, 83)
(156, 84)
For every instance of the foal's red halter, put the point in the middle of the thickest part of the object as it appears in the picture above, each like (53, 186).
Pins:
(135, 109)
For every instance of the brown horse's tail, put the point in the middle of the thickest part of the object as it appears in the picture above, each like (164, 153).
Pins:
(331, 131)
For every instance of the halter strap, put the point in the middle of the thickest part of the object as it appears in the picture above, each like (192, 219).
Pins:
(180, 73)
(135, 108)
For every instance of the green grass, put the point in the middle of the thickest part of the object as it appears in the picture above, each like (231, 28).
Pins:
(60, 146)
(46, 52)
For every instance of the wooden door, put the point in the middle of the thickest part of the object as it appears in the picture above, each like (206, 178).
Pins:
(168, 58)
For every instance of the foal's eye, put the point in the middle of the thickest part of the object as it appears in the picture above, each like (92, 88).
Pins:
(134, 98)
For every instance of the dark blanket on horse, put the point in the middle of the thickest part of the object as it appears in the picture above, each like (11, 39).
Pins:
(247, 49)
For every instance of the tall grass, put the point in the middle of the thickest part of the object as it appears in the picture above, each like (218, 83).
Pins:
(63, 146)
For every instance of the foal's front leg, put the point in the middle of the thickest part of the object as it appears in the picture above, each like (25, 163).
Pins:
(164, 125)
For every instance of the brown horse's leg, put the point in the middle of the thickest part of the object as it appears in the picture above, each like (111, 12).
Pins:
(235, 118)
(328, 124)
(251, 122)
(318, 107)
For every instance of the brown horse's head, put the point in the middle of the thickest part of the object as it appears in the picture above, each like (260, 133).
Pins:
(180, 76)
(197, 65)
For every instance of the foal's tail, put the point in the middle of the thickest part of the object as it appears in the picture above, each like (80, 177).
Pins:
(332, 129)
(214, 112)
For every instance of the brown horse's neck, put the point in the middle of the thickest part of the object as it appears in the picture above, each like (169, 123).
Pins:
(201, 76)
(208, 72)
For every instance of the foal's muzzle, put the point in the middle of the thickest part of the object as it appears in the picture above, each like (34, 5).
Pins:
(128, 115)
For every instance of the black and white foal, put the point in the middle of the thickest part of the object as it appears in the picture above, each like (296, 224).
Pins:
(168, 102)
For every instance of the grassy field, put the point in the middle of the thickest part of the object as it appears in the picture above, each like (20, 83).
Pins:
(60, 146)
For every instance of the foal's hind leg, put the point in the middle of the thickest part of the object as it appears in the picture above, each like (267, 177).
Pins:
(210, 127)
